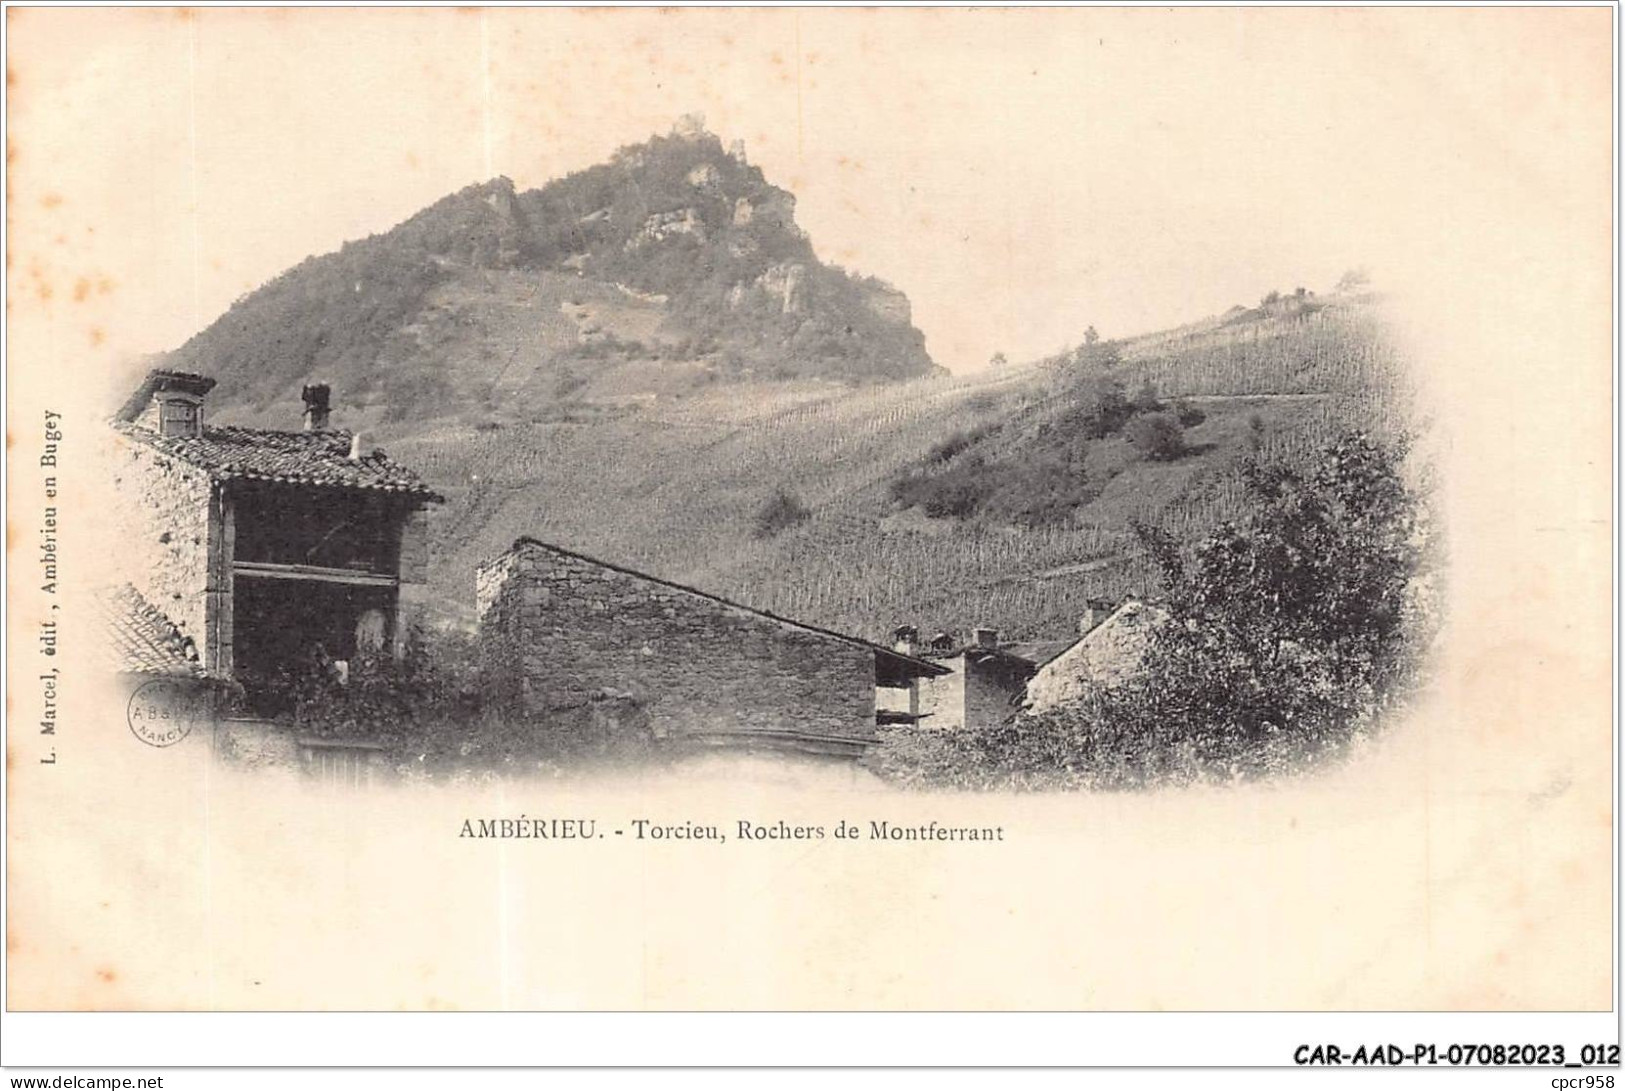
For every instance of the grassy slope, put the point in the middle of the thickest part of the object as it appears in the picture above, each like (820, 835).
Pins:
(672, 485)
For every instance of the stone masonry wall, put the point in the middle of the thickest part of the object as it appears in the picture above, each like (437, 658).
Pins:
(942, 699)
(162, 514)
(978, 694)
(992, 692)
(573, 629)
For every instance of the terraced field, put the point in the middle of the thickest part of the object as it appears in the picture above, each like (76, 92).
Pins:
(672, 484)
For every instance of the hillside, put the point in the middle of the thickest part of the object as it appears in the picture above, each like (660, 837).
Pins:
(674, 485)
(674, 265)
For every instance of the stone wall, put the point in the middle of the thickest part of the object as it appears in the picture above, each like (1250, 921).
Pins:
(978, 694)
(161, 511)
(993, 690)
(413, 552)
(942, 699)
(571, 630)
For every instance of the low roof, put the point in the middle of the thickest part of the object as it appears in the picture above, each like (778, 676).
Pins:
(318, 458)
(899, 663)
(139, 638)
(981, 653)
(1038, 652)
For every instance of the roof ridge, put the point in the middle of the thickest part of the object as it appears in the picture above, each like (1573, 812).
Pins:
(299, 432)
(315, 458)
(527, 540)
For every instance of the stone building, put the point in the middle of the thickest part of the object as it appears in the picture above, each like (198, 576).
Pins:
(683, 669)
(981, 685)
(1108, 652)
(263, 549)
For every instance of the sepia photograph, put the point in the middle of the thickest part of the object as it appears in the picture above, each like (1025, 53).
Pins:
(1093, 510)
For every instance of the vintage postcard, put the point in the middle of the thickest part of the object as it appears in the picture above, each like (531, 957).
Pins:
(1085, 510)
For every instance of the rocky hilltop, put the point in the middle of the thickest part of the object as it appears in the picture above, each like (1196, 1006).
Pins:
(674, 265)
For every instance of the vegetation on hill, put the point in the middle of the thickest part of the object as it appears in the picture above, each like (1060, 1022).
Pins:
(673, 259)
(1290, 631)
(676, 486)
(1033, 469)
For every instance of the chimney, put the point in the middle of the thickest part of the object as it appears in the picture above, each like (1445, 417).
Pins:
(316, 407)
(1094, 613)
(987, 638)
(169, 403)
(905, 639)
(355, 447)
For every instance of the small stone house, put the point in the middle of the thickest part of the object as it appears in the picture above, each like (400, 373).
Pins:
(1107, 654)
(263, 549)
(981, 685)
(684, 669)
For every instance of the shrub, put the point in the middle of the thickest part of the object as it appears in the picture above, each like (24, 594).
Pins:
(1145, 399)
(432, 708)
(1097, 356)
(1189, 415)
(955, 444)
(953, 494)
(1157, 436)
(1102, 408)
(779, 513)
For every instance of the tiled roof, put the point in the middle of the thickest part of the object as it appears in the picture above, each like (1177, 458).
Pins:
(319, 458)
(138, 638)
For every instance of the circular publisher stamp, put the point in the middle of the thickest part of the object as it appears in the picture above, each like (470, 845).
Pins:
(162, 712)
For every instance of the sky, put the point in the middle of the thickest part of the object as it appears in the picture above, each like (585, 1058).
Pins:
(1020, 174)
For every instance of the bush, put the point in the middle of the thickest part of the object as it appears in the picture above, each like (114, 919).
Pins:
(1097, 356)
(955, 444)
(427, 707)
(953, 494)
(1145, 399)
(1157, 436)
(779, 513)
(916, 757)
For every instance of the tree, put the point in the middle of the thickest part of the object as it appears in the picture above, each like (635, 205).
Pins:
(1292, 631)
(1157, 436)
(1097, 355)
(1145, 398)
(1287, 636)
(1091, 335)
(998, 363)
